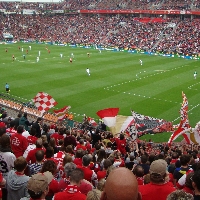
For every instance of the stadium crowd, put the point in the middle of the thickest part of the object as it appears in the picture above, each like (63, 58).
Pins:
(103, 4)
(53, 161)
(149, 34)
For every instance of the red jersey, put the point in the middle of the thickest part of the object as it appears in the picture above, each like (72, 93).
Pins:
(150, 191)
(59, 157)
(101, 174)
(53, 188)
(78, 161)
(31, 155)
(121, 144)
(79, 146)
(57, 137)
(72, 192)
(18, 144)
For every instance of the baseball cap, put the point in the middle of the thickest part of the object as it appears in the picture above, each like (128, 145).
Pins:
(158, 167)
(39, 182)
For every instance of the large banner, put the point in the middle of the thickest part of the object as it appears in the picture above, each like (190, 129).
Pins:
(158, 12)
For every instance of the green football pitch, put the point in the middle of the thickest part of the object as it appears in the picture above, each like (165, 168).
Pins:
(117, 80)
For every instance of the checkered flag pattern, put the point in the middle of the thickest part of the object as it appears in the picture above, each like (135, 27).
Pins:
(44, 101)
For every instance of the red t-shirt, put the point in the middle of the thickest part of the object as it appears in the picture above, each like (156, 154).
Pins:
(31, 155)
(53, 188)
(79, 146)
(101, 174)
(57, 137)
(78, 161)
(59, 157)
(151, 191)
(121, 144)
(73, 194)
(87, 173)
(18, 144)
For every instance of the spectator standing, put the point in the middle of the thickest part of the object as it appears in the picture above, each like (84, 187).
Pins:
(89, 174)
(7, 158)
(196, 184)
(17, 180)
(69, 139)
(179, 172)
(37, 166)
(157, 185)
(50, 166)
(17, 120)
(38, 186)
(24, 121)
(38, 127)
(125, 187)
(18, 142)
(144, 164)
(72, 191)
(31, 154)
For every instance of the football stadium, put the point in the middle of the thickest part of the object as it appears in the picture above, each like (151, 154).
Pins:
(116, 76)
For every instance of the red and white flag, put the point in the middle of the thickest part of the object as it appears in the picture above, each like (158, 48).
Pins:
(44, 101)
(108, 116)
(92, 121)
(184, 123)
(62, 112)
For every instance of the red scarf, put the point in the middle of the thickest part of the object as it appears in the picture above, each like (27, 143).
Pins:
(72, 189)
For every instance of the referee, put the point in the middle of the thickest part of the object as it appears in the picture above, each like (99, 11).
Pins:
(7, 88)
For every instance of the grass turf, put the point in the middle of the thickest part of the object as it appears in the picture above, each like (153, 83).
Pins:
(117, 80)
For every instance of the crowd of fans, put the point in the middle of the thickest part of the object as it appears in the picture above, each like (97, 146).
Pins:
(149, 34)
(103, 4)
(52, 161)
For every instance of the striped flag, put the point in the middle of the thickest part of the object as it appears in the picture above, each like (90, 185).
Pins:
(62, 112)
(184, 123)
(108, 116)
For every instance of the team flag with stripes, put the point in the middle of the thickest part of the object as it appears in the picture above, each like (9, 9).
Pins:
(184, 123)
(108, 116)
(62, 112)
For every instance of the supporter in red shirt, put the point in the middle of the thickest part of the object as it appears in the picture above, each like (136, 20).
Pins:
(72, 191)
(78, 157)
(55, 136)
(89, 174)
(18, 142)
(121, 144)
(81, 145)
(67, 159)
(157, 185)
(138, 171)
(102, 174)
(31, 154)
(50, 166)
(59, 156)
(11, 130)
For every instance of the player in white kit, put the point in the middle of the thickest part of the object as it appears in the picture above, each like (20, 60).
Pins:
(88, 71)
